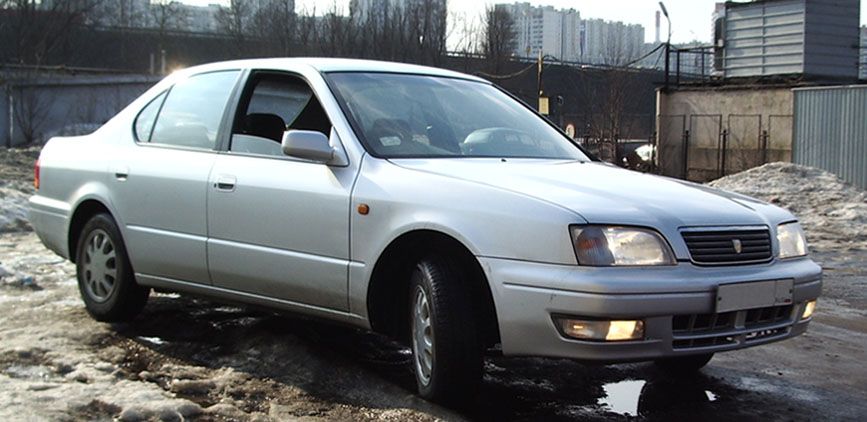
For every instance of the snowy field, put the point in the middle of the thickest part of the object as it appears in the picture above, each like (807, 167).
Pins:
(190, 359)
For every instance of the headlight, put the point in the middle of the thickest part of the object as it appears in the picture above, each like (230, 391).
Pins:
(792, 241)
(603, 246)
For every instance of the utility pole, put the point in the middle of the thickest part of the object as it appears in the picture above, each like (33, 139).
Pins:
(539, 74)
(543, 100)
(667, 44)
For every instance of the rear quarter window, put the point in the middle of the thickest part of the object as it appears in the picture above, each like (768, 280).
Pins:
(144, 122)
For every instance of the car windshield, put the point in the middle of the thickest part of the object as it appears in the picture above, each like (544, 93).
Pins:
(417, 116)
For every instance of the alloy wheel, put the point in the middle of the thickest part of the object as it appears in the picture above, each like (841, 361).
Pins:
(99, 268)
(422, 336)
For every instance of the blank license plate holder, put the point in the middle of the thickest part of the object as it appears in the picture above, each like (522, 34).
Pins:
(755, 294)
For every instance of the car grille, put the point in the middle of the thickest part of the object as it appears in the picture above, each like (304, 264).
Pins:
(708, 330)
(718, 247)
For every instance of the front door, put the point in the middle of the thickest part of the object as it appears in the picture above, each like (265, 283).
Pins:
(279, 227)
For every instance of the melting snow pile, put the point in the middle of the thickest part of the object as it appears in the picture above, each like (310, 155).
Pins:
(832, 212)
(16, 186)
(13, 207)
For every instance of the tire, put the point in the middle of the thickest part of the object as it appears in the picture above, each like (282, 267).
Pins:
(446, 351)
(684, 365)
(105, 278)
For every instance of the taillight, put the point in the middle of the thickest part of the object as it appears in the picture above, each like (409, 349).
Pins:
(36, 174)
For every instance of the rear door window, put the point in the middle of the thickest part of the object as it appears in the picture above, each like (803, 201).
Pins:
(192, 112)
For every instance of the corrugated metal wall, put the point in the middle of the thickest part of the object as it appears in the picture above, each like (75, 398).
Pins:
(813, 37)
(765, 38)
(830, 131)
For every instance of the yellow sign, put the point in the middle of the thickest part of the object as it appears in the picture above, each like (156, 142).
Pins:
(543, 105)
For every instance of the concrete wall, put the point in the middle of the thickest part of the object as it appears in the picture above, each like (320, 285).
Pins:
(704, 133)
(37, 108)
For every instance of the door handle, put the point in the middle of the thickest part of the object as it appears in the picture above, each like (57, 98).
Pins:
(121, 173)
(225, 183)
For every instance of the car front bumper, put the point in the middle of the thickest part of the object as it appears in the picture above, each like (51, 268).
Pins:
(528, 294)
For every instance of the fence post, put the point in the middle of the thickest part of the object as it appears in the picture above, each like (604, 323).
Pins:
(764, 143)
(685, 154)
(723, 149)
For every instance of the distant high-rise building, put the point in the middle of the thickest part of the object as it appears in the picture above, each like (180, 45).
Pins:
(563, 34)
(362, 10)
(613, 43)
(545, 30)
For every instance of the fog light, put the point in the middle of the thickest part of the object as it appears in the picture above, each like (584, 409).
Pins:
(601, 330)
(808, 310)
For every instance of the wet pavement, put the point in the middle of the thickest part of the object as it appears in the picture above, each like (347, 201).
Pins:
(189, 358)
(212, 335)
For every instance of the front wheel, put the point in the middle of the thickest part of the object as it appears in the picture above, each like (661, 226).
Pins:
(105, 277)
(447, 353)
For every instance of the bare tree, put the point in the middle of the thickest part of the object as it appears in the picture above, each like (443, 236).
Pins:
(39, 30)
(498, 42)
(274, 23)
(308, 32)
(233, 21)
(30, 109)
(465, 32)
(165, 16)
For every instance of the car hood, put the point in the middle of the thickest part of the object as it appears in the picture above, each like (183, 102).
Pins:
(605, 194)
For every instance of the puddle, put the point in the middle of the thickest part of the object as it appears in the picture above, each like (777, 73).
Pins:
(622, 397)
(152, 340)
(653, 398)
(36, 372)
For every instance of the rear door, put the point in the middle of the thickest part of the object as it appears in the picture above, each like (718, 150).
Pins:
(161, 185)
(278, 226)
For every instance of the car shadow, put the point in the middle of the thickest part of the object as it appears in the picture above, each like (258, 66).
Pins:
(349, 366)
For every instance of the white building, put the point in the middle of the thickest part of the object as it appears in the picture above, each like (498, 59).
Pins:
(563, 34)
(361, 10)
(612, 43)
(545, 29)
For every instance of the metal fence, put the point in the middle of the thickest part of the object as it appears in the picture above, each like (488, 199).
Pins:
(830, 131)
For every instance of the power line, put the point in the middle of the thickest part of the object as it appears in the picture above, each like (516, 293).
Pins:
(508, 76)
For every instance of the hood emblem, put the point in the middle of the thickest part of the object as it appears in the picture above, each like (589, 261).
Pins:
(739, 247)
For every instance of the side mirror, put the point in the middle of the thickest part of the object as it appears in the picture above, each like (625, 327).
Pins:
(308, 145)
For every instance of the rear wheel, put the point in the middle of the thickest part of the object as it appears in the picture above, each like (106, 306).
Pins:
(447, 353)
(684, 365)
(105, 278)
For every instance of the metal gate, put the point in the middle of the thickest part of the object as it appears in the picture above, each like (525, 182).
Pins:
(741, 143)
(703, 147)
(671, 137)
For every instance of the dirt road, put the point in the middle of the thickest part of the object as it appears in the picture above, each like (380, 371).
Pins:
(186, 358)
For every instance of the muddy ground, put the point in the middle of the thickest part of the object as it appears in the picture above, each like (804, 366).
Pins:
(190, 359)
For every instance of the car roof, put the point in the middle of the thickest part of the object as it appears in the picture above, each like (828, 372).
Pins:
(326, 65)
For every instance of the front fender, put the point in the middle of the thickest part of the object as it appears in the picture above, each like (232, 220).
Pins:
(488, 221)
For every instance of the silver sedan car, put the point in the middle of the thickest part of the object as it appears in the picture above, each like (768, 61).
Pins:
(424, 204)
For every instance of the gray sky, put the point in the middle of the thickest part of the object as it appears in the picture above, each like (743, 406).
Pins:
(690, 19)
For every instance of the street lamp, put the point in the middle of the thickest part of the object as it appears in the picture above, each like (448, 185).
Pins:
(667, 42)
